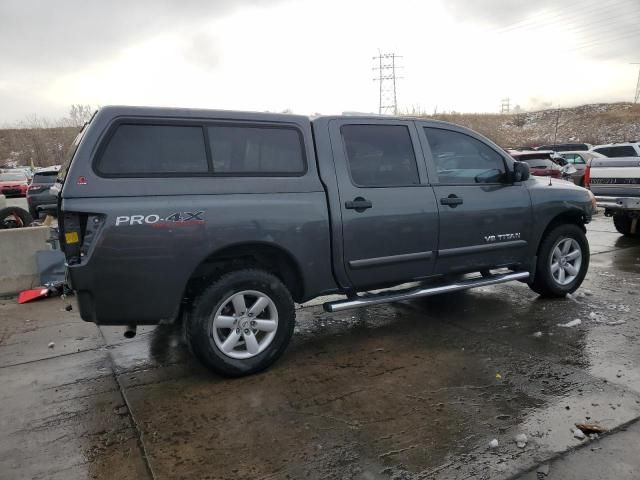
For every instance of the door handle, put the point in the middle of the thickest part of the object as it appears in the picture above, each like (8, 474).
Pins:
(358, 204)
(452, 200)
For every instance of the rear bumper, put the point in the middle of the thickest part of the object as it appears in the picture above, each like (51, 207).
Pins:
(618, 203)
(13, 192)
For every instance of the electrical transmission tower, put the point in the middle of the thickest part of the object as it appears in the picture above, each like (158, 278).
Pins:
(505, 107)
(637, 95)
(386, 66)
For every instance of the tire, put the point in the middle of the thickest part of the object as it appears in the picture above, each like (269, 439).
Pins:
(14, 217)
(623, 225)
(217, 306)
(550, 281)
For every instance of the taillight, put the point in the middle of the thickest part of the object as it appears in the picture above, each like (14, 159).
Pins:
(77, 232)
(587, 177)
(34, 188)
(71, 236)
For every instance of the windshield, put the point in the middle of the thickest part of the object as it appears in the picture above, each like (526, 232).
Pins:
(539, 163)
(12, 177)
(532, 156)
(45, 177)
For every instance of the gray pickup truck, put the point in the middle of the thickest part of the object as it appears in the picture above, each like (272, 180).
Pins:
(225, 219)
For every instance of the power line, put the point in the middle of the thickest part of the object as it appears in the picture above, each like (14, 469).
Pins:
(386, 66)
(565, 16)
(603, 41)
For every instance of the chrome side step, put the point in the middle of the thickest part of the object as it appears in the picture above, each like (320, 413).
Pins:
(391, 296)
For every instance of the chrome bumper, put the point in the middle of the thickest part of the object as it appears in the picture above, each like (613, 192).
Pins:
(619, 203)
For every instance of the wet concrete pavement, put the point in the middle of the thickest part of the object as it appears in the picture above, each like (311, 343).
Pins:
(413, 390)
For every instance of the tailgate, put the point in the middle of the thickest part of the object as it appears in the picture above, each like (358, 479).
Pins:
(615, 177)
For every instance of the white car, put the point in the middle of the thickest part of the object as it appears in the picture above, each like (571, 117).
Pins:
(579, 160)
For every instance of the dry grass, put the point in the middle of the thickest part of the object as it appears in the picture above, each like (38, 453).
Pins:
(595, 124)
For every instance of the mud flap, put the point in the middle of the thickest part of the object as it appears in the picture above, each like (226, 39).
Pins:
(533, 265)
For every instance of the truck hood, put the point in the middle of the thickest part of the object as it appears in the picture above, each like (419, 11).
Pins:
(560, 196)
(555, 182)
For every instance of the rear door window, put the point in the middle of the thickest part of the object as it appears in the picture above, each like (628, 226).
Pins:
(603, 151)
(617, 151)
(147, 150)
(462, 159)
(623, 151)
(380, 155)
(253, 150)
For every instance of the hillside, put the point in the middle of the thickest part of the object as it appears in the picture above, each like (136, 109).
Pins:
(40, 146)
(595, 124)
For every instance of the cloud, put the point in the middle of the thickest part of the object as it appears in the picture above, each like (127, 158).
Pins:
(39, 35)
(496, 12)
(535, 103)
(599, 29)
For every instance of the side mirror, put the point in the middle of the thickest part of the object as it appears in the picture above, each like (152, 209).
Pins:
(568, 169)
(521, 172)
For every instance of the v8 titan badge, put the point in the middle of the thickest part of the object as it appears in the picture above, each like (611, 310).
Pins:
(177, 219)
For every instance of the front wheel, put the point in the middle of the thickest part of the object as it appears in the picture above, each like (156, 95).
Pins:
(242, 323)
(563, 261)
(623, 225)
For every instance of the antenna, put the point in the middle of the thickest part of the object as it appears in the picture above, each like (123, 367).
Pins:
(386, 65)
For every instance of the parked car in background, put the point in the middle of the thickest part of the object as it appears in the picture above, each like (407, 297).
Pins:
(617, 150)
(580, 160)
(540, 163)
(565, 147)
(13, 183)
(38, 193)
(616, 184)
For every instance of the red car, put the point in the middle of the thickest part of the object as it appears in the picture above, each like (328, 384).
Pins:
(13, 184)
(541, 163)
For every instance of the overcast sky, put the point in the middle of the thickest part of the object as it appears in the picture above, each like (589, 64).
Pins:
(314, 56)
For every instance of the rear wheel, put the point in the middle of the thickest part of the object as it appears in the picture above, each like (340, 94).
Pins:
(14, 217)
(242, 323)
(563, 261)
(623, 225)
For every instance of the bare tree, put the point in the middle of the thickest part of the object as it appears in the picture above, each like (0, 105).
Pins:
(78, 115)
(39, 142)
